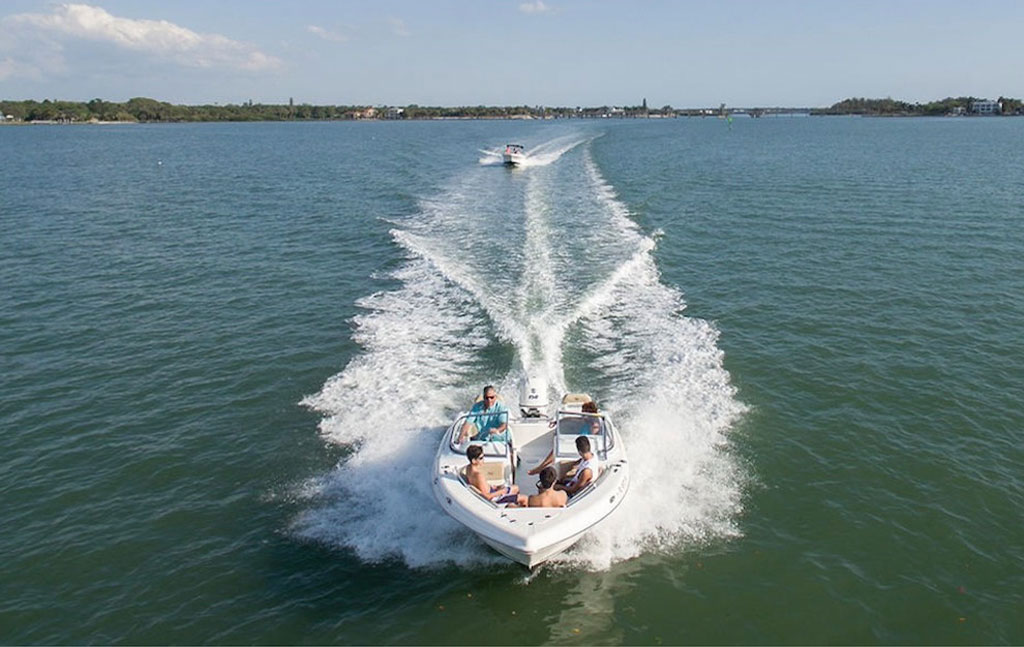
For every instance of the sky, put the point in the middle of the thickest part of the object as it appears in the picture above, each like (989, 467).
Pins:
(797, 53)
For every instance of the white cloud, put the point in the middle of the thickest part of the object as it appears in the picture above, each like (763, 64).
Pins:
(398, 27)
(327, 34)
(534, 7)
(10, 68)
(26, 58)
(158, 38)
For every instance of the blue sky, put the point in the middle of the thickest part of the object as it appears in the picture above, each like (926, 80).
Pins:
(510, 52)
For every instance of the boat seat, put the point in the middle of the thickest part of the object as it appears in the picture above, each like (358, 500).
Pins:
(575, 399)
(493, 471)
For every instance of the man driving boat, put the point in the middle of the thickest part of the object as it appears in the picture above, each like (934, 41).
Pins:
(487, 420)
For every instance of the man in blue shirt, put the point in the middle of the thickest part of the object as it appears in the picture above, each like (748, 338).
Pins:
(489, 417)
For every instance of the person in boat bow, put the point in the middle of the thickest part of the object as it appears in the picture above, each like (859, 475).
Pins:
(477, 480)
(489, 417)
(586, 469)
(547, 496)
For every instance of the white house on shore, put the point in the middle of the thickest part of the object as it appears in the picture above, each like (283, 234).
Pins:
(986, 107)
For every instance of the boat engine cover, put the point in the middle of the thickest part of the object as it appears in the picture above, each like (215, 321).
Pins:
(533, 396)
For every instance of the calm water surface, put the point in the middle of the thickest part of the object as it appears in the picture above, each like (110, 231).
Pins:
(227, 350)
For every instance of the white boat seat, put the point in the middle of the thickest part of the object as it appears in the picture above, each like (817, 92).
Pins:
(575, 399)
(494, 472)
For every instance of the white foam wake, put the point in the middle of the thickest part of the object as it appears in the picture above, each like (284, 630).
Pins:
(419, 343)
(491, 157)
(551, 151)
(540, 155)
(672, 400)
(388, 405)
(583, 270)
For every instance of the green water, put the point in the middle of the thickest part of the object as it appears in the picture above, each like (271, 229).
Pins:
(226, 353)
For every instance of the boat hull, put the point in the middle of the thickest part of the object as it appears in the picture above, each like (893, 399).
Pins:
(535, 558)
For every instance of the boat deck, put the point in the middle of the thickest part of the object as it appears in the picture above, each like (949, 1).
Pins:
(533, 440)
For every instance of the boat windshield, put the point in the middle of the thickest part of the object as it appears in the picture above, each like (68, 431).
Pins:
(580, 424)
(572, 424)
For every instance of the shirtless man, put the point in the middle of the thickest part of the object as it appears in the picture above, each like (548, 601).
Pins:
(547, 496)
(586, 469)
(477, 480)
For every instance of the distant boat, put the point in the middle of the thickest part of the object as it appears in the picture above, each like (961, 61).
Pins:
(514, 154)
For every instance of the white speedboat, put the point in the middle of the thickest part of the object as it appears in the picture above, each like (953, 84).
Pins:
(514, 154)
(531, 536)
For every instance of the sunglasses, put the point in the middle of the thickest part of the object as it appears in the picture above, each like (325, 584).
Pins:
(490, 397)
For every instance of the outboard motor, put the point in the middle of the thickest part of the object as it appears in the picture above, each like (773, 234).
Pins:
(533, 396)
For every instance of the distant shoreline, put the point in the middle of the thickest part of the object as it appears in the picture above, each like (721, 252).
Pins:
(146, 110)
(15, 123)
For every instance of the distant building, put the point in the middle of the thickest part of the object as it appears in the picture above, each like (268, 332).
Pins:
(395, 113)
(986, 107)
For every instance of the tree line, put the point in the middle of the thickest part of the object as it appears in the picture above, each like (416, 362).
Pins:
(148, 110)
(889, 106)
(143, 109)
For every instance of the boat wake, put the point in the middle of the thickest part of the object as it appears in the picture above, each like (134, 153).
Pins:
(491, 157)
(548, 275)
(542, 155)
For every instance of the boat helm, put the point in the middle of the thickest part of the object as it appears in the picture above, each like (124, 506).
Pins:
(533, 396)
